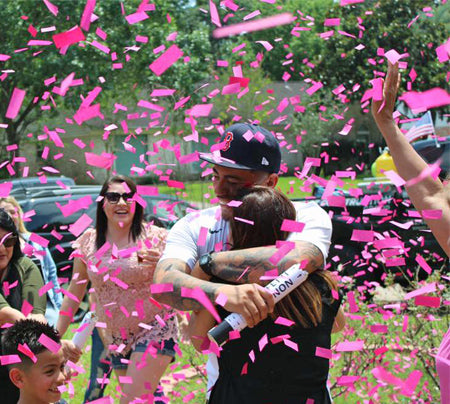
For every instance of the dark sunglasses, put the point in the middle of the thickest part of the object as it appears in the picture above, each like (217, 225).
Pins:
(114, 197)
(9, 240)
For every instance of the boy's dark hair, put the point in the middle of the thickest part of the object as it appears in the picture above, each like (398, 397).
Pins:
(27, 331)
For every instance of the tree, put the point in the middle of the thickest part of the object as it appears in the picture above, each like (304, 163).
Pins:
(29, 66)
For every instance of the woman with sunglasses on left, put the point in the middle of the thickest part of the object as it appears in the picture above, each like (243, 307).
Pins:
(20, 282)
(119, 257)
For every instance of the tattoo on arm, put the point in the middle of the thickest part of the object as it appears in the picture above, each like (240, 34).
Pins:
(249, 265)
(174, 272)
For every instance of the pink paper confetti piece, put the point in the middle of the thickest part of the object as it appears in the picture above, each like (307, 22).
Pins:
(27, 308)
(350, 346)
(323, 352)
(423, 264)
(284, 321)
(422, 101)
(36, 238)
(85, 22)
(46, 288)
(80, 225)
(256, 25)
(393, 56)
(53, 9)
(200, 110)
(263, 342)
(9, 359)
(290, 344)
(136, 17)
(51, 345)
(281, 252)
(199, 295)
(429, 288)
(5, 189)
(292, 226)
(202, 236)
(15, 103)
(428, 301)
(167, 59)
(68, 38)
(365, 236)
(105, 160)
(25, 349)
(161, 288)
(215, 18)
(221, 299)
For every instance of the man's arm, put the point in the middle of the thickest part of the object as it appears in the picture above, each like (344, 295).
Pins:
(427, 194)
(253, 302)
(249, 265)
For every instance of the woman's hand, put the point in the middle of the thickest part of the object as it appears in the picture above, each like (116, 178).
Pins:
(391, 84)
(148, 257)
(70, 351)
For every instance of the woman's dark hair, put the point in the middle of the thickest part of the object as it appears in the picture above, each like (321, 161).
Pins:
(7, 224)
(267, 208)
(102, 221)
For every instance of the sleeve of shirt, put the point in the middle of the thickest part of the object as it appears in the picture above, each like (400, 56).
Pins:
(317, 228)
(181, 243)
(49, 267)
(32, 283)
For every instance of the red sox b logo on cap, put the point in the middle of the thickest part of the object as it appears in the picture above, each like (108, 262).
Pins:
(228, 139)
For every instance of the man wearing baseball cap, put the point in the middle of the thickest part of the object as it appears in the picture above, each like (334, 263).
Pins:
(246, 155)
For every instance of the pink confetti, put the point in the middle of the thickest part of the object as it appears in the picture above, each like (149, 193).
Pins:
(428, 301)
(45, 288)
(257, 25)
(85, 22)
(9, 359)
(53, 9)
(68, 38)
(429, 288)
(362, 235)
(199, 295)
(51, 345)
(215, 18)
(422, 101)
(167, 59)
(292, 226)
(281, 252)
(136, 17)
(323, 353)
(202, 236)
(5, 189)
(284, 321)
(350, 346)
(393, 56)
(80, 225)
(161, 288)
(15, 103)
(105, 160)
(423, 264)
(36, 238)
(221, 299)
(200, 110)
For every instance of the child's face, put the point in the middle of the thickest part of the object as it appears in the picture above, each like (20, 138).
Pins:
(42, 379)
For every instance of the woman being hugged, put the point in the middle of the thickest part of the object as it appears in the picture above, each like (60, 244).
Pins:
(119, 257)
(272, 362)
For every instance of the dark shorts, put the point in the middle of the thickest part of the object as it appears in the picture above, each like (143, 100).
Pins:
(166, 348)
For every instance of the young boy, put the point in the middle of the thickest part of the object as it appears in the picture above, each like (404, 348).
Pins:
(40, 371)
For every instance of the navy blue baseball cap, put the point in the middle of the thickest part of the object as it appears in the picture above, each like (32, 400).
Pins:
(247, 147)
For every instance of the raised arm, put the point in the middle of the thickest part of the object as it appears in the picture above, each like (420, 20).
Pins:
(427, 194)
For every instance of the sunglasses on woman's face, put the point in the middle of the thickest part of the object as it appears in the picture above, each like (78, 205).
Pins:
(9, 240)
(114, 197)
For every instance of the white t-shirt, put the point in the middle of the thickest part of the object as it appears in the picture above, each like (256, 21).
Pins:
(201, 232)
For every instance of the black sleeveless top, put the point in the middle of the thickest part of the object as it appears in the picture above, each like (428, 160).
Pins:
(279, 374)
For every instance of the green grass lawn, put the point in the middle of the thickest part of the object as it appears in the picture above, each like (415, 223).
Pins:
(408, 354)
(202, 191)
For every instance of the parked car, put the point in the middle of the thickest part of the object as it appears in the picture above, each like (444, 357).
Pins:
(21, 187)
(43, 216)
(388, 214)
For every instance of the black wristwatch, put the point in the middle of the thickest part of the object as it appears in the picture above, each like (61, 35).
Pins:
(205, 263)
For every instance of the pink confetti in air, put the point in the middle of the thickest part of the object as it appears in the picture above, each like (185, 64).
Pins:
(377, 92)
(68, 38)
(199, 295)
(350, 346)
(262, 343)
(221, 299)
(423, 264)
(290, 344)
(105, 160)
(45, 288)
(85, 22)
(202, 236)
(422, 101)
(429, 288)
(5, 189)
(395, 178)
(200, 110)
(9, 359)
(161, 288)
(15, 103)
(292, 226)
(365, 236)
(323, 352)
(51, 345)
(215, 18)
(25, 349)
(136, 17)
(393, 56)
(80, 225)
(284, 321)
(167, 59)
(53, 9)
(256, 25)
(281, 252)
(427, 301)
(36, 238)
